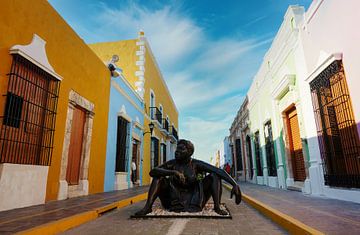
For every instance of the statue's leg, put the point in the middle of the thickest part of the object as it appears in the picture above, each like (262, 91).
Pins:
(155, 188)
(213, 187)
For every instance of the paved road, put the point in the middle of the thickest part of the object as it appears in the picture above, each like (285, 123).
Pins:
(245, 220)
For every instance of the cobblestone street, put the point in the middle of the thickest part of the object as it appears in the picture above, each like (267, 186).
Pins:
(245, 220)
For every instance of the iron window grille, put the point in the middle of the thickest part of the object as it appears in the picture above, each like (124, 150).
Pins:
(249, 155)
(257, 154)
(166, 124)
(336, 128)
(156, 114)
(239, 164)
(269, 146)
(122, 140)
(174, 132)
(155, 151)
(163, 151)
(28, 124)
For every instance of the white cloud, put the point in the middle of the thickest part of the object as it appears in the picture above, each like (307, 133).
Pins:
(171, 35)
(201, 72)
(207, 135)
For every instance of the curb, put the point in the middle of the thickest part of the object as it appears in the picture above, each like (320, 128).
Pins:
(289, 223)
(76, 220)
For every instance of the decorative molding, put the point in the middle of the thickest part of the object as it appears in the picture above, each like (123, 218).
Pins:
(35, 52)
(323, 65)
(119, 89)
(122, 113)
(285, 85)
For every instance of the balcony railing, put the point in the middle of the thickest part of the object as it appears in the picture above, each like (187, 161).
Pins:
(155, 114)
(166, 124)
(174, 132)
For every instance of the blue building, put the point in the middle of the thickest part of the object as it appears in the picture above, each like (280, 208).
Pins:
(125, 135)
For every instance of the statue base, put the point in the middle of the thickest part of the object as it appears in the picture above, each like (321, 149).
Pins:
(207, 213)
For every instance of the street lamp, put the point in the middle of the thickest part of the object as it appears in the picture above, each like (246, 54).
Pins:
(151, 127)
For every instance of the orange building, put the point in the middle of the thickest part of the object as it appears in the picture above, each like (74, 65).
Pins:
(53, 108)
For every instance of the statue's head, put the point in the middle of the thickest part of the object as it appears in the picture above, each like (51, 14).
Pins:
(184, 150)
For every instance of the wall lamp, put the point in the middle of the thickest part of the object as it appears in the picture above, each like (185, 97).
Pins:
(151, 127)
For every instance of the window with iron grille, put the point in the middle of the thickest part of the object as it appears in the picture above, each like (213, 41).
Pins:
(239, 164)
(163, 152)
(155, 152)
(336, 127)
(249, 155)
(269, 146)
(257, 154)
(121, 145)
(28, 124)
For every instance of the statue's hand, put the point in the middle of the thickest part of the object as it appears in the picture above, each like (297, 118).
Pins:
(236, 190)
(180, 176)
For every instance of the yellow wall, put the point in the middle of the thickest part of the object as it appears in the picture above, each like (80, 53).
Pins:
(126, 50)
(154, 82)
(71, 58)
(127, 56)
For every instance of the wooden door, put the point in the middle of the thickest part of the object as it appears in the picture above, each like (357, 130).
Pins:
(75, 149)
(297, 158)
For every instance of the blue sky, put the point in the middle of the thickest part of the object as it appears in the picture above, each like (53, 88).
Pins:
(208, 51)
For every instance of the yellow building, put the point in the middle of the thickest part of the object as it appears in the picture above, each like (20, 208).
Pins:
(141, 70)
(53, 108)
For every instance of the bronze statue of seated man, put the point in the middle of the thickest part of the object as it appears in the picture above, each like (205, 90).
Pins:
(186, 184)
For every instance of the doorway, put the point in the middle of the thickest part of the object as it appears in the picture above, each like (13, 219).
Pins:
(295, 146)
(75, 148)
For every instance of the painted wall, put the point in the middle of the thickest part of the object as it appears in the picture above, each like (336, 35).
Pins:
(81, 69)
(322, 36)
(126, 103)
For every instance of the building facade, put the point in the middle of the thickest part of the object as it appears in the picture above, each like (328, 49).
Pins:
(53, 111)
(125, 135)
(303, 110)
(141, 70)
(332, 122)
(240, 144)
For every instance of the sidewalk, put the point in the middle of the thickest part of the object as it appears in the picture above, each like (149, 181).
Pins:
(21, 219)
(329, 216)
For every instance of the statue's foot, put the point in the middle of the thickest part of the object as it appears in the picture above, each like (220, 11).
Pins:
(220, 212)
(143, 212)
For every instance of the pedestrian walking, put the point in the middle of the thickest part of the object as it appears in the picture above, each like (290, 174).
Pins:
(133, 171)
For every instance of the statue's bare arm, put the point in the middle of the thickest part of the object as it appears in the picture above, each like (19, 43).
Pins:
(205, 167)
(166, 169)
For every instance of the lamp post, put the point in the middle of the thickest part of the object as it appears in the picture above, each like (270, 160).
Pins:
(151, 127)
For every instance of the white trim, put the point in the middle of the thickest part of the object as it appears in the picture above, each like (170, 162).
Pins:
(122, 113)
(138, 124)
(119, 89)
(136, 136)
(161, 108)
(130, 87)
(283, 86)
(331, 58)
(35, 52)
